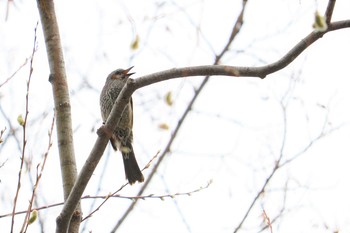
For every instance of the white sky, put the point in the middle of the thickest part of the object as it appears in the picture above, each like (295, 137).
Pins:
(233, 135)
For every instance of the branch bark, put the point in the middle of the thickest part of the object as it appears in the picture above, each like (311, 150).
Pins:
(132, 85)
(60, 91)
(329, 11)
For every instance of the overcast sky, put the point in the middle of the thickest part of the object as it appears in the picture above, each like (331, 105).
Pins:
(233, 136)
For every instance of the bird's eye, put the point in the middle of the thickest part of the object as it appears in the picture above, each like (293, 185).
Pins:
(117, 72)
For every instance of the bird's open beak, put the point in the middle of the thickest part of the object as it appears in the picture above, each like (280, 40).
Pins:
(126, 72)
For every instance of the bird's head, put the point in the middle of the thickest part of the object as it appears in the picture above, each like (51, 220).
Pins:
(120, 74)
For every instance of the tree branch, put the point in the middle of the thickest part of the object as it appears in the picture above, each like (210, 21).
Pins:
(132, 85)
(62, 105)
(23, 123)
(104, 133)
(234, 32)
(329, 11)
(259, 72)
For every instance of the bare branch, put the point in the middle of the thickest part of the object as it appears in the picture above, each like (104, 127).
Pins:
(23, 123)
(260, 71)
(150, 196)
(267, 220)
(133, 85)
(38, 177)
(275, 168)
(115, 195)
(38, 208)
(2, 133)
(14, 73)
(63, 110)
(329, 11)
(12, 131)
(235, 30)
(25, 222)
(280, 163)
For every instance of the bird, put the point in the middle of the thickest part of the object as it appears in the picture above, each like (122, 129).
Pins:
(122, 136)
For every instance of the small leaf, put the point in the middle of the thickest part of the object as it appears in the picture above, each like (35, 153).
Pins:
(163, 126)
(169, 99)
(320, 22)
(33, 217)
(135, 44)
(20, 120)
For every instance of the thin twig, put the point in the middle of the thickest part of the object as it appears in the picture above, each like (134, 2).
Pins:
(2, 133)
(14, 73)
(274, 170)
(106, 197)
(38, 177)
(149, 196)
(114, 194)
(24, 124)
(25, 222)
(235, 30)
(281, 162)
(12, 131)
(267, 220)
(282, 211)
(329, 11)
(38, 208)
(98, 190)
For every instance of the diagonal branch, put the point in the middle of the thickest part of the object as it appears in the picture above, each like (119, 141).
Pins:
(132, 85)
(104, 133)
(329, 11)
(235, 30)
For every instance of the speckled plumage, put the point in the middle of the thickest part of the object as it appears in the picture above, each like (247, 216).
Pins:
(123, 136)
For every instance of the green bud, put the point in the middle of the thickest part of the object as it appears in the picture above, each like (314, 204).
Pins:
(135, 44)
(20, 120)
(320, 22)
(169, 98)
(33, 217)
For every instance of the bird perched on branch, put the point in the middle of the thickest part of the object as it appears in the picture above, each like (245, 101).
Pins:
(122, 136)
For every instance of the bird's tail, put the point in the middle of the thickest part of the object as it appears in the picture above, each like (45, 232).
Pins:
(132, 170)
